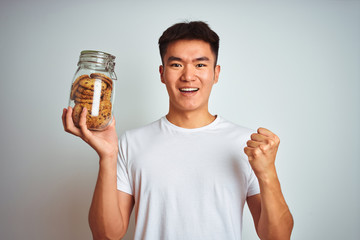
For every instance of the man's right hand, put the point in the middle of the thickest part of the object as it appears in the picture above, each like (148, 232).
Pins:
(104, 142)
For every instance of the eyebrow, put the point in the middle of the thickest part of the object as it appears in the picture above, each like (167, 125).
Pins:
(202, 59)
(173, 58)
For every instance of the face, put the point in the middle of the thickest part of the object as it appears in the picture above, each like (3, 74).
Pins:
(189, 75)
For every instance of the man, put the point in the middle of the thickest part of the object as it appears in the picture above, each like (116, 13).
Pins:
(189, 173)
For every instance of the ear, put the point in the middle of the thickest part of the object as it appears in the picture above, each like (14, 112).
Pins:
(161, 71)
(216, 73)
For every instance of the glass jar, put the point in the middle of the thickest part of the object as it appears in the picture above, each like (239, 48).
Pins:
(93, 87)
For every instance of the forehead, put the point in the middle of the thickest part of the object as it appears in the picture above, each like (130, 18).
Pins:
(189, 49)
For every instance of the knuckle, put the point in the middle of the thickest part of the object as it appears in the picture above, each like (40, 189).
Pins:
(245, 150)
(270, 142)
(256, 152)
(85, 137)
(248, 152)
(263, 148)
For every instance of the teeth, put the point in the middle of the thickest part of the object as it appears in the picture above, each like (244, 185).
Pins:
(188, 89)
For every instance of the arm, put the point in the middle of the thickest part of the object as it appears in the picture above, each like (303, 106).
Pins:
(110, 209)
(270, 212)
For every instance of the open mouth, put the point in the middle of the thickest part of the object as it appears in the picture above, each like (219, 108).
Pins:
(189, 89)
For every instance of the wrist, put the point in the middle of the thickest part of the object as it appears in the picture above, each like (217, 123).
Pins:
(269, 183)
(108, 154)
(267, 177)
(108, 162)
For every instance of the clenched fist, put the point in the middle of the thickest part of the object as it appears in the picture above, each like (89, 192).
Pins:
(261, 150)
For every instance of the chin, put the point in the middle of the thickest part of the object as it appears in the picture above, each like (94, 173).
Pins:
(190, 108)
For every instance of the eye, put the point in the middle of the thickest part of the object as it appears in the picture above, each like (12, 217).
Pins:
(175, 65)
(200, 65)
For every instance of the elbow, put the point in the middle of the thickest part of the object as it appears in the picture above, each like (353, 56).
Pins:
(106, 237)
(106, 231)
(107, 234)
(280, 231)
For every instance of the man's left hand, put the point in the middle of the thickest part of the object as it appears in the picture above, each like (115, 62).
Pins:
(261, 151)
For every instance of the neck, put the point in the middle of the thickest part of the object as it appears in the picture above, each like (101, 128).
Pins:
(190, 119)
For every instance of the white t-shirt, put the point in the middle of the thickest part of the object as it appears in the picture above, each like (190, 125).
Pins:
(187, 183)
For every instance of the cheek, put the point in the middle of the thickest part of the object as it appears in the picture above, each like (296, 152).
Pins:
(170, 77)
(208, 80)
(170, 84)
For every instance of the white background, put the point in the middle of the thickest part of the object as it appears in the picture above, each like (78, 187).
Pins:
(290, 66)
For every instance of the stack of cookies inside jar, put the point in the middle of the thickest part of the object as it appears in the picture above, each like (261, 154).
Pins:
(94, 93)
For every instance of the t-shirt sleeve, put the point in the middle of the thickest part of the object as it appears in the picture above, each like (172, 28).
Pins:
(253, 183)
(123, 178)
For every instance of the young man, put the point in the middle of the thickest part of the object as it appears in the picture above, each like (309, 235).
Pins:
(189, 173)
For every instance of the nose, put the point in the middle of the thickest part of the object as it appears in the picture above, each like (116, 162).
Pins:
(188, 74)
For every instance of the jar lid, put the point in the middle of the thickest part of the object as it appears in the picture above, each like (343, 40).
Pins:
(96, 56)
(99, 58)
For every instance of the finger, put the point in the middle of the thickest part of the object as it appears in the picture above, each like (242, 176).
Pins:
(63, 117)
(263, 146)
(83, 127)
(270, 145)
(269, 134)
(261, 142)
(69, 125)
(258, 137)
(265, 132)
(249, 152)
(253, 144)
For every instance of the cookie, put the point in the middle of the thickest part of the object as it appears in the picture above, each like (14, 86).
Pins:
(82, 93)
(105, 105)
(75, 85)
(102, 77)
(82, 96)
(85, 91)
(89, 83)
(83, 100)
(93, 122)
(101, 120)
(77, 112)
(107, 95)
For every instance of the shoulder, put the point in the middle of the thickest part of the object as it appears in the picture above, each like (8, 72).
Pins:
(233, 129)
(141, 132)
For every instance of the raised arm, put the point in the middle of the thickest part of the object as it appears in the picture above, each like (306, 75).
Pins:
(110, 209)
(272, 217)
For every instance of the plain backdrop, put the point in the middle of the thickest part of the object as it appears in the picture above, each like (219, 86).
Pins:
(290, 66)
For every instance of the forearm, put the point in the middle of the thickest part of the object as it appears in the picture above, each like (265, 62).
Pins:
(105, 218)
(276, 221)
